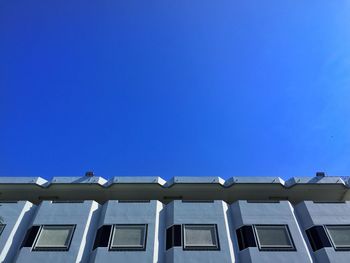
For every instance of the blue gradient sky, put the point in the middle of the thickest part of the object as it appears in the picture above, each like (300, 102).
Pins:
(226, 88)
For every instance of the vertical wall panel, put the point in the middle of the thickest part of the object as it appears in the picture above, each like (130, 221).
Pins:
(320, 214)
(83, 215)
(180, 213)
(16, 217)
(276, 213)
(149, 213)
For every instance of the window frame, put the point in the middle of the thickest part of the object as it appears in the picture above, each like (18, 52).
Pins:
(274, 247)
(53, 248)
(201, 247)
(337, 248)
(128, 248)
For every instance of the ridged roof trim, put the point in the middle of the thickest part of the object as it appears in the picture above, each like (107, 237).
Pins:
(24, 180)
(336, 180)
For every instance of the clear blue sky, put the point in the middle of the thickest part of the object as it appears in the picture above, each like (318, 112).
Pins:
(159, 87)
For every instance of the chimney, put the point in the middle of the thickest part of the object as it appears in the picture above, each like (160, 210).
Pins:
(89, 174)
(320, 174)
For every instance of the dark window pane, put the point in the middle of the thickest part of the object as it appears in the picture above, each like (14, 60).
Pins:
(30, 236)
(173, 237)
(177, 236)
(318, 237)
(169, 238)
(102, 236)
(245, 236)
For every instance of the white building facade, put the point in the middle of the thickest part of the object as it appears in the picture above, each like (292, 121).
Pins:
(183, 220)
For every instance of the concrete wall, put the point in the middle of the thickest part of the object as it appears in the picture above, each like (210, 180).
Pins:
(311, 214)
(89, 215)
(280, 213)
(16, 217)
(178, 212)
(83, 215)
(148, 213)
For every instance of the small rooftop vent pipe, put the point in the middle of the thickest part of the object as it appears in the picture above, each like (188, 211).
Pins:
(320, 174)
(89, 174)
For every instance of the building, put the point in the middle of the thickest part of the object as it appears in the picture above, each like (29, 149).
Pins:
(183, 220)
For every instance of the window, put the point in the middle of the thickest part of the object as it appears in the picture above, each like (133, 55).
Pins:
(200, 237)
(129, 237)
(273, 237)
(245, 237)
(317, 237)
(54, 237)
(339, 236)
(102, 236)
(30, 236)
(326, 236)
(173, 236)
(121, 237)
